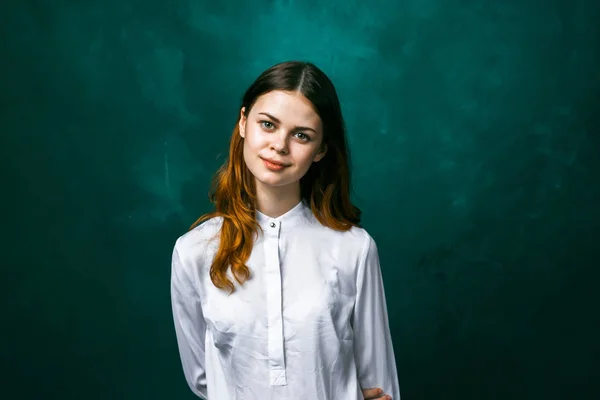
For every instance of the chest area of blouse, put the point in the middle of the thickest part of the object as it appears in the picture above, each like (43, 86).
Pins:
(302, 281)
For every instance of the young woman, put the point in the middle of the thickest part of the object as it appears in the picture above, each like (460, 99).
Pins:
(278, 293)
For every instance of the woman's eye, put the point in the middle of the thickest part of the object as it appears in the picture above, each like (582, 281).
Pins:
(304, 137)
(267, 125)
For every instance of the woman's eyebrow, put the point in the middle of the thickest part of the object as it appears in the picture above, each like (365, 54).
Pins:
(304, 128)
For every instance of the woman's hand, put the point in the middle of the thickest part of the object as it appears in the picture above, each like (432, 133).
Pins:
(375, 394)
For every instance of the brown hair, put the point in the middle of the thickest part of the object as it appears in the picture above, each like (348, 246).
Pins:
(326, 186)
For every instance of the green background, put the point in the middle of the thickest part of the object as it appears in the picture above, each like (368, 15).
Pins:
(473, 132)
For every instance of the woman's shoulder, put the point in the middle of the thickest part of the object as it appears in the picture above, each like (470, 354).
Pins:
(357, 237)
(200, 239)
(362, 238)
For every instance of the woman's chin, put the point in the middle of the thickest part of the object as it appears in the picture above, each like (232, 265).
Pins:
(271, 181)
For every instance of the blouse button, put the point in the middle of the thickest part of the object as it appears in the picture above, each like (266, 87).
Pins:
(272, 224)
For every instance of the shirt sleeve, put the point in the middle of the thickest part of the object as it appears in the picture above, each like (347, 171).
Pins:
(373, 348)
(190, 327)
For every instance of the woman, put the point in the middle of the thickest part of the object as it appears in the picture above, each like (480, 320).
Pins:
(278, 294)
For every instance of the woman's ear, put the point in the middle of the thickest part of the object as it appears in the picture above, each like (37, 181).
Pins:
(242, 122)
(321, 153)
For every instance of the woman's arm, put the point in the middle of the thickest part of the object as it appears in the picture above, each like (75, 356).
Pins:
(373, 349)
(190, 327)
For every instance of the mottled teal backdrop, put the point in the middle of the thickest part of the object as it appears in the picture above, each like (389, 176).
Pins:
(475, 148)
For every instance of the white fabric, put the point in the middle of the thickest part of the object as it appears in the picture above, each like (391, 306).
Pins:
(311, 323)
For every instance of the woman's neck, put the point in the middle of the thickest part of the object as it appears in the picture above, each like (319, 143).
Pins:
(276, 201)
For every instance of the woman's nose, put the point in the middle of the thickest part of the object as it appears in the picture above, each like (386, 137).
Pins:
(279, 144)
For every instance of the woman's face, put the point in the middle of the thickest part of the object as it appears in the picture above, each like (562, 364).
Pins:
(282, 127)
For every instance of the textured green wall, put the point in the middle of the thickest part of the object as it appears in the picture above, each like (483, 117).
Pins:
(475, 146)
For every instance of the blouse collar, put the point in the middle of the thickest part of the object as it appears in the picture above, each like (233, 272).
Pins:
(297, 214)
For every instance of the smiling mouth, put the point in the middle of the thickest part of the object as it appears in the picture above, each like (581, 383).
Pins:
(273, 166)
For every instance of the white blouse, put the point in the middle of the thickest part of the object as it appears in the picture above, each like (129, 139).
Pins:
(311, 323)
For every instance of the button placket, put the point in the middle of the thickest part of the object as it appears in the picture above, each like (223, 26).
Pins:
(274, 306)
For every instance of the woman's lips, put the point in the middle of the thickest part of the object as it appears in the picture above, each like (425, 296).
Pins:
(273, 166)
